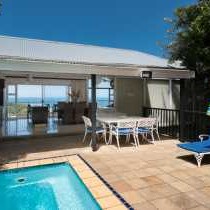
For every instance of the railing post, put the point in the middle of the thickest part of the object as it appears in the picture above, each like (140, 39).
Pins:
(144, 111)
(168, 119)
(109, 96)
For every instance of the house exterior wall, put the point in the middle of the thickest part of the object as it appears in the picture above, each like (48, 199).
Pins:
(159, 95)
(81, 86)
(131, 95)
(176, 94)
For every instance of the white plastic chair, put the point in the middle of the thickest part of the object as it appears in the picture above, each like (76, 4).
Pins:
(124, 129)
(88, 129)
(155, 128)
(156, 125)
(147, 126)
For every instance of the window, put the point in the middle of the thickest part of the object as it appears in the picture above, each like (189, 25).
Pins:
(29, 94)
(11, 97)
(19, 96)
(104, 93)
(55, 93)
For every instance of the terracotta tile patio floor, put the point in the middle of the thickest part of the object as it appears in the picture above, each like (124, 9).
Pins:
(159, 176)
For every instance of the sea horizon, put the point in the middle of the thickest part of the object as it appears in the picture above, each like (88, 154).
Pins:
(102, 101)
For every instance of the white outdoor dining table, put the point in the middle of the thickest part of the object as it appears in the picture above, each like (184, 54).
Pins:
(112, 118)
(116, 117)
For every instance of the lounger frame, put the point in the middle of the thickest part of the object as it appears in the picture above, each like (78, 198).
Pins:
(199, 156)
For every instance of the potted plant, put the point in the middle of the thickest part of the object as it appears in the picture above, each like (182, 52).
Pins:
(74, 96)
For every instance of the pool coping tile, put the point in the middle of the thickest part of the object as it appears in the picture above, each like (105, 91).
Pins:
(115, 193)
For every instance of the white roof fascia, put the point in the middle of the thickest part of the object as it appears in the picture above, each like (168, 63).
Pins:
(15, 65)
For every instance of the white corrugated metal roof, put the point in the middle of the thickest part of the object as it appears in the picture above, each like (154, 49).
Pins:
(78, 53)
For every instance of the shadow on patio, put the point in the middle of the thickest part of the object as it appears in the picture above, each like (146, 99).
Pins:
(191, 159)
(14, 150)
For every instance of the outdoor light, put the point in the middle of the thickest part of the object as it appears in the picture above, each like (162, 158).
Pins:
(146, 74)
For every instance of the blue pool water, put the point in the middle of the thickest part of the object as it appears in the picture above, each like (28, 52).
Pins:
(50, 187)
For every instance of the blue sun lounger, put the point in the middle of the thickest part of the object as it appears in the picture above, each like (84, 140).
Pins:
(198, 148)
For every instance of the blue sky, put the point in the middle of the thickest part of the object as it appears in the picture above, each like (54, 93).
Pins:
(49, 91)
(134, 24)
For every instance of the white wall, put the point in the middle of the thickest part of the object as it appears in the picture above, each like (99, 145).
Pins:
(129, 96)
(81, 86)
(176, 94)
(132, 94)
(159, 95)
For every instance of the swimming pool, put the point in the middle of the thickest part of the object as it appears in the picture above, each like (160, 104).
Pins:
(48, 187)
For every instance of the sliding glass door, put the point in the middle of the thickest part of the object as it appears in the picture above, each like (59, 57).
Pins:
(104, 93)
(29, 94)
(52, 94)
(20, 96)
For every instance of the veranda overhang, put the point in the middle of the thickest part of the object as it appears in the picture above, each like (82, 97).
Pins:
(20, 66)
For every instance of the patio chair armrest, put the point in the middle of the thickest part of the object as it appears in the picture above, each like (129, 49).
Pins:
(104, 125)
(113, 127)
(203, 136)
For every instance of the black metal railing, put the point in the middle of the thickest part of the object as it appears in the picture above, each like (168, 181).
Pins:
(192, 124)
(168, 120)
(182, 124)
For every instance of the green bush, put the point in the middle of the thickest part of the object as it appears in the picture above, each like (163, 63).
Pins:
(19, 110)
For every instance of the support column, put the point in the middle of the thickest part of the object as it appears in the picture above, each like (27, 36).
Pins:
(2, 84)
(170, 94)
(183, 98)
(93, 96)
(144, 92)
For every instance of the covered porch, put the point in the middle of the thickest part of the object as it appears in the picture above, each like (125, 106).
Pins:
(136, 76)
(129, 91)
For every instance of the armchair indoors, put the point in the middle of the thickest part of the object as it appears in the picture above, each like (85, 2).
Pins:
(39, 114)
(68, 113)
(79, 111)
(60, 108)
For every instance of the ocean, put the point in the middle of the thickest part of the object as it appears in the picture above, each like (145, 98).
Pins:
(102, 102)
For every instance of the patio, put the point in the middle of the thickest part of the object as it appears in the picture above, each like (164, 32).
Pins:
(159, 176)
